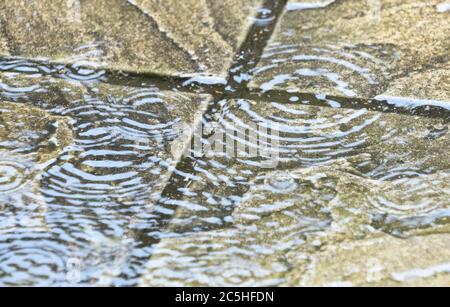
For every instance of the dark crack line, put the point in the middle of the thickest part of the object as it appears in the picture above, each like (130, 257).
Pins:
(251, 51)
(339, 102)
(246, 58)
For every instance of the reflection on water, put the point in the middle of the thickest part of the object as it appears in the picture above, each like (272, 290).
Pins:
(100, 206)
(95, 189)
(344, 70)
(98, 190)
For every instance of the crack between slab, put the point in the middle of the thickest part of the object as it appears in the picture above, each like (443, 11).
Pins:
(247, 57)
(153, 21)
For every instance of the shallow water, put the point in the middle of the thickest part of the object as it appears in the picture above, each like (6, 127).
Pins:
(273, 175)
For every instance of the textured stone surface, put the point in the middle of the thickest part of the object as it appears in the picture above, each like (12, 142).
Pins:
(30, 139)
(219, 258)
(4, 50)
(342, 175)
(387, 261)
(356, 48)
(97, 192)
(33, 132)
(142, 122)
(285, 218)
(145, 36)
(385, 152)
(240, 258)
(427, 84)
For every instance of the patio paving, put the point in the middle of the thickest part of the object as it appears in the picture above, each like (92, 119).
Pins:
(287, 185)
(141, 36)
(356, 48)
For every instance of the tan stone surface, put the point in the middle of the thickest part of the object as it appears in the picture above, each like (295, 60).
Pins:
(30, 139)
(383, 153)
(4, 50)
(387, 261)
(428, 84)
(357, 48)
(390, 176)
(30, 130)
(158, 37)
(141, 121)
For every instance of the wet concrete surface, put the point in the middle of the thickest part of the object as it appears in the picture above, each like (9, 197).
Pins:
(237, 143)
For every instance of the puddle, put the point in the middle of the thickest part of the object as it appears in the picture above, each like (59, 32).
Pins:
(443, 7)
(347, 71)
(121, 179)
(298, 6)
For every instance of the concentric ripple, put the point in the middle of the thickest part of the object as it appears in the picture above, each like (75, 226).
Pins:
(85, 65)
(292, 133)
(221, 258)
(13, 175)
(344, 70)
(32, 260)
(120, 146)
(249, 138)
(140, 115)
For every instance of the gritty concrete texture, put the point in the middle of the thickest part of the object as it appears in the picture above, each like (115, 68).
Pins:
(156, 37)
(30, 139)
(386, 261)
(384, 152)
(32, 131)
(429, 84)
(4, 49)
(280, 189)
(356, 48)
(312, 226)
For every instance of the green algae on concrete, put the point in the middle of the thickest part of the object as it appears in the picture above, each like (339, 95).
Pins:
(169, 37)
(354, 48)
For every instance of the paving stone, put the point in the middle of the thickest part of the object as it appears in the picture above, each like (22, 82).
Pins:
(356, 48)
(30, 139)
(365, 158)
(290, 228)
(141, 36)
(310, 226)
(31, 131)
(4, 50)
(244, 258)
(98, 192)
(429, 84)
(386, 261)
(342, 175)
(219, 258)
